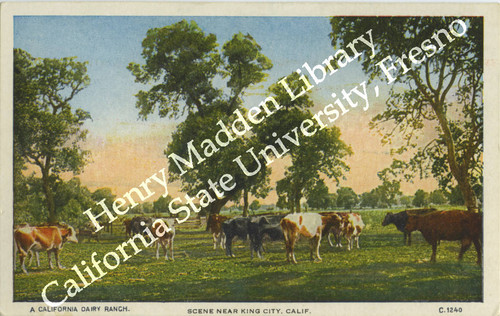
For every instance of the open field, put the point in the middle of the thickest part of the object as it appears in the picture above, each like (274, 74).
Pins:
(383, 269)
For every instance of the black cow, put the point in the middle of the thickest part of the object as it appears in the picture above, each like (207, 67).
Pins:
(137, 228)
(235, 227)
(400, 219)
(263, 227)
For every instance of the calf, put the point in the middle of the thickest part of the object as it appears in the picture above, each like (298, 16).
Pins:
(308, 225)
(337, 230)
(333, 224)
(43, 238)
(214, 225)
(449, 225)
(399, 220)
(236, 227)
(353, 229)
(164, 230)
(263, 227)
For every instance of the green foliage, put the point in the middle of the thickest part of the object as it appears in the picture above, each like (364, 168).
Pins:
(437, 197)
(406, 200)
(73, 199)
(431, 92)
(104, 194)
(455, 196)
(370, 199)
(323, 153)
(347, 198)
(181, 65)
(318, 197)
(47, 131)
(421, 198)
(29, 200)
(183, 61)
(161, 204)
(255, 205)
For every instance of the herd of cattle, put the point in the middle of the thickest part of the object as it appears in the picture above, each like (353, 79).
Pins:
(434, 226)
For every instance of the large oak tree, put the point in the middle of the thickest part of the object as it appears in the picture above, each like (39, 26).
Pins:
(445, 89)
(191, 77)
(48, 132)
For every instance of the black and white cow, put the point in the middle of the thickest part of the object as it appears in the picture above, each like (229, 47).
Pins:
(235, 227)
(264, 227)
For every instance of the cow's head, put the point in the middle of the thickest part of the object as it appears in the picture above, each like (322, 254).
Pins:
(68, 233)
(387, 219)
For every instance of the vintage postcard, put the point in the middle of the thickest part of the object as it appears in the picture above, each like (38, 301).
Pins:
(249, 158)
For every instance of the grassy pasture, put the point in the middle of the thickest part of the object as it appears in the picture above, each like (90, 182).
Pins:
(382, 270)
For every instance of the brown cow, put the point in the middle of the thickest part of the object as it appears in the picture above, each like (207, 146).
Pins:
(350, 226)
(43, 238)
(333, 223)
(352, 229)
(449, 225)
(128, 229)
(309, 225)
(214, 224)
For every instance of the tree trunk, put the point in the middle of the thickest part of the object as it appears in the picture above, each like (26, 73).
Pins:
(458, 172)
(297, 197)
(468, 194)
(49, 198)
(245, 202)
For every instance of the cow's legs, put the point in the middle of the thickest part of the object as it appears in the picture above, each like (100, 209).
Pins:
(434, 249)
(222, 240)
(22, 257)
(338, 239)
(229, 251)
(171, 244)
(466, 242)
(357, 242)
(287, 246)
(317, 241)
(216, 240)
(31, 252)
(56, 254)
(312, 244)
(477, 245)
(157, 249)
(50, 259)
(409, 239)
(165, 245)
(251, 248)
(330, 239)
(294, 238)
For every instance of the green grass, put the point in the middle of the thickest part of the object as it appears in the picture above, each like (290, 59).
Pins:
(382, 270)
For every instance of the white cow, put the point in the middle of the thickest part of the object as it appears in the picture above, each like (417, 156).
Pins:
(308, 225)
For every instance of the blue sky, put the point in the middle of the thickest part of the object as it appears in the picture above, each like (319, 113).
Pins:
(110, 43)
